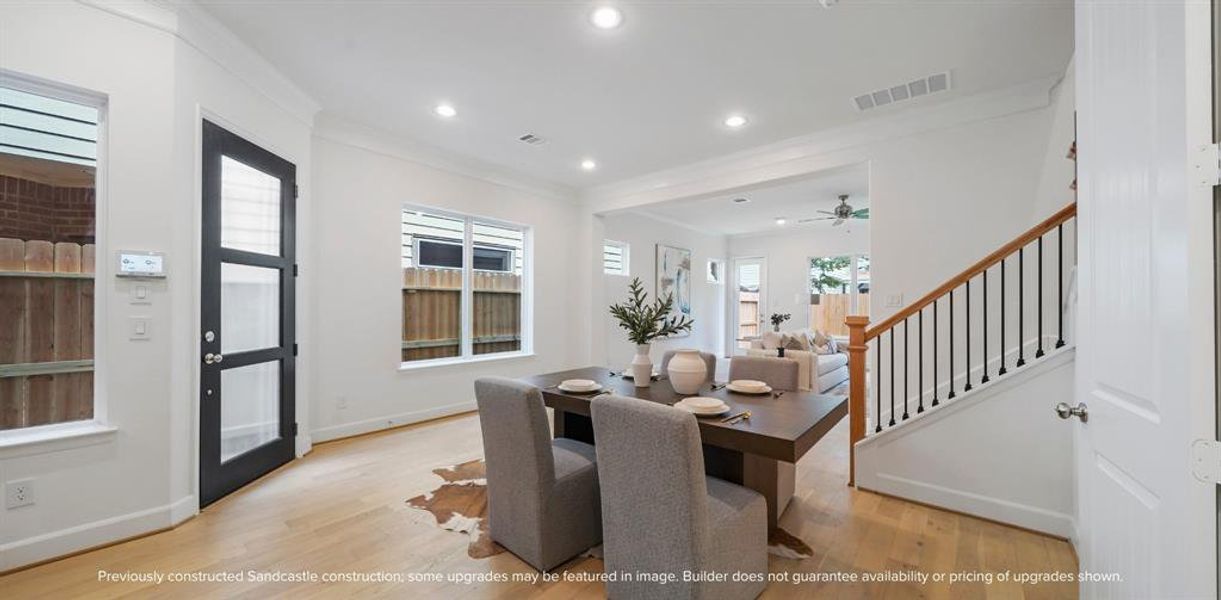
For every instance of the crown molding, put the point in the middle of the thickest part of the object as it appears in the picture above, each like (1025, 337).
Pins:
(331, 127)
(828, 149)
(185, 20)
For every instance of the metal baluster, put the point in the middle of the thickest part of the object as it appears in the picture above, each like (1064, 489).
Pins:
(1021, 306)
(967, 387)
(952, 394)
(878, 384)
(1039, 352)
(892, 376)
(935, 373)
(905, 370)
(1002, 370)
(1060, 280)
(985, 378)
(920, 364)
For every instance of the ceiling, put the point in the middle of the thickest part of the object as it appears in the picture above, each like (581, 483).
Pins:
(793, 200)
(650, 95)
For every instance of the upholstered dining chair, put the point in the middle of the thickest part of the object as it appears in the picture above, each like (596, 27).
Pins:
(709, 361)
(661, 514)
(779, 373)
(543, 500)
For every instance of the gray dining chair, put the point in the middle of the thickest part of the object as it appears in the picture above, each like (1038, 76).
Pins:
(779, 373)
(543, 499)
(709, 361)
(661, 514)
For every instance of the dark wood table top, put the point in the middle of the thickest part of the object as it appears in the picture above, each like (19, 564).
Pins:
(783, 428)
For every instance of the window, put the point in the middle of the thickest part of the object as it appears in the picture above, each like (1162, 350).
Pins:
(450, 311)
(716, 271)
(839, 286)
(48, 156)
(614, 258)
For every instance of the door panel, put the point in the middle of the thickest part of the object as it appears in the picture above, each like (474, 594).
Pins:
(247, 394)
(1140, 512)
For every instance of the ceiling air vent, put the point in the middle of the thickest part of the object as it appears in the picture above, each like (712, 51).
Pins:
(935, 83)
(532, 139)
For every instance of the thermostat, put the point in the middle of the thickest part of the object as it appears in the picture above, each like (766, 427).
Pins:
(141, 264)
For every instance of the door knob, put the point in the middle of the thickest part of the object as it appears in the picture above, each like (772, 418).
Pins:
(210, 358)
(1081, 411)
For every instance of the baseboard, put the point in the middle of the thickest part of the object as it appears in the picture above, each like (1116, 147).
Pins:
(344, 430)
(89, 536)
(993, 509)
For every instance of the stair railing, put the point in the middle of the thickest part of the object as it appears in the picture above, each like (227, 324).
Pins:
(947, 368)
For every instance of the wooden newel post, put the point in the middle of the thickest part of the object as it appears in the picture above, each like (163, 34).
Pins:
(857, 351)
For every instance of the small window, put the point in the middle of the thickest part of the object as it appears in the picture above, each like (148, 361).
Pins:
(716, 271)
(614, 258)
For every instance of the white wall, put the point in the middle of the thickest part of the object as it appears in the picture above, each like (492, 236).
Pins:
(788, 256)
(142, 476)
(999, 452)
(643, 234)
(362, 182)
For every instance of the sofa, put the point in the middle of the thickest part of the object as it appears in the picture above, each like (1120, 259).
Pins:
(815, 372)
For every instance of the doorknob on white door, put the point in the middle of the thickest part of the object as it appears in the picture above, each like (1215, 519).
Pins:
(1081, 411)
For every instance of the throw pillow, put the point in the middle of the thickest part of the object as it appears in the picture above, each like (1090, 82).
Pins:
(820, 338)
(831, 345)
(796, 342)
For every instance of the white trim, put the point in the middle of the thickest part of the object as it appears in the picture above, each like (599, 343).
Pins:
(29, 441)
(812, 152)
(89, 535)
(335, 432)
(449, 361)
(330, 127)
(988, 507)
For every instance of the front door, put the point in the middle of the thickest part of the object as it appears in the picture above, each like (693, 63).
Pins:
(1145, 342)
(247, 424)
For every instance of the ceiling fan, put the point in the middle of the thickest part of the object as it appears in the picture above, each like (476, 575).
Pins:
(841, 213)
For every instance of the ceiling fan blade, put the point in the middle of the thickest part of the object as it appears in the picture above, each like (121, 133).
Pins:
(837, 222)
(861, 214)
(826, 212)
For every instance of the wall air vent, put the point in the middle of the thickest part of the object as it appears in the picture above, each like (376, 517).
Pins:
(933, 84)
(532, 139)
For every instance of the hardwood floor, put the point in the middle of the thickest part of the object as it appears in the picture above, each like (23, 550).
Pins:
(341, 509)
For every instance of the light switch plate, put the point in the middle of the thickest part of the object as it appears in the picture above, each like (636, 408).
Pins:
(140, 328)
(894, 300)
(141, 294)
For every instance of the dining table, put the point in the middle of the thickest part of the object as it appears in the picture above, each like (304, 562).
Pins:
(782, 426)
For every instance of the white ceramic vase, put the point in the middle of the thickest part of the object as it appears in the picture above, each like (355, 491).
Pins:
(687, 371)
(642, 367)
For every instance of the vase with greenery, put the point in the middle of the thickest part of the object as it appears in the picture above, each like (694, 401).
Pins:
(778, 318)
(644, 322)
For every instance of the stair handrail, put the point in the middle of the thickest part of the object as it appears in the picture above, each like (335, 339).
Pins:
(859, 332)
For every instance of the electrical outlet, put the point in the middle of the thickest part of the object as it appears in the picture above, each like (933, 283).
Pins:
(894, 301)
(18, 493)
(341, 403)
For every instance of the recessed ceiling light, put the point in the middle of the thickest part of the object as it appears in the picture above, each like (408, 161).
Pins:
(589, 164)
(740, 200)
(781, 220)
(606, 17)
(735, 121)
(445, 110)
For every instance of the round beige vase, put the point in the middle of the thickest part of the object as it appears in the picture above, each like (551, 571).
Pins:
(687, 371)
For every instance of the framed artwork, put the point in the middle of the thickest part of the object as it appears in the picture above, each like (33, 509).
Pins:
(674, 277)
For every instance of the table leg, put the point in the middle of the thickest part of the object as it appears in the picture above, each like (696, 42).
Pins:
(573, 426)
(771, 478)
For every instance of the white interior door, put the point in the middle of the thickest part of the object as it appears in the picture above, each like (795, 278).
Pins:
(748, 305)
(1144, 360)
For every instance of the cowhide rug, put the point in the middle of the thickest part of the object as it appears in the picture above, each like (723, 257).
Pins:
(460, 504)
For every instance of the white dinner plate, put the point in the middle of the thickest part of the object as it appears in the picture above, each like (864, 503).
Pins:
(579, 390)
(702, 412)
(703, 402)
(767, 389)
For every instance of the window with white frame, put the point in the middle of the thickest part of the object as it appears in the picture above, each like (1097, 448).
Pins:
(48, 165)
(463, 286)
(615, 258)
(839, 286)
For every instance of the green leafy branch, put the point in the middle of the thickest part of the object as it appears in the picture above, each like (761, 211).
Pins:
(644, 321)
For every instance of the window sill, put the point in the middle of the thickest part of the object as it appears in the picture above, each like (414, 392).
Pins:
(449, 362)
(54, 438)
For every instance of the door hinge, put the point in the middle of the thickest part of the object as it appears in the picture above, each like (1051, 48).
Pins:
(1207, 165)
(1206, 460)
(294, 348)
(296, 191)
(294, 429)
(296, 270)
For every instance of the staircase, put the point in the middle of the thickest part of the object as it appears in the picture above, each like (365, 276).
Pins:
(993, 334)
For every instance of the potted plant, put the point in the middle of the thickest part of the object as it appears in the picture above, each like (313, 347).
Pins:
(778, 318)
(645, 322)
